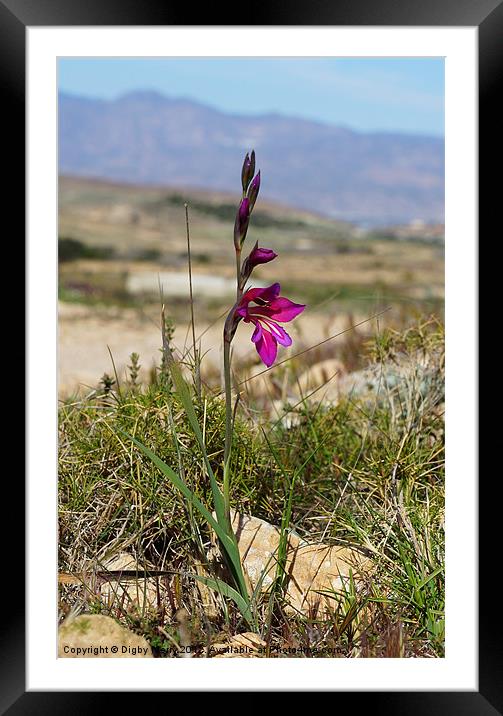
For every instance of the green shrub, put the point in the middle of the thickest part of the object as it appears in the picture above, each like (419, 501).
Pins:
(72, 249)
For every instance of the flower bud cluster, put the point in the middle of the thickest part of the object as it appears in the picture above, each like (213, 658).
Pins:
(251, 186)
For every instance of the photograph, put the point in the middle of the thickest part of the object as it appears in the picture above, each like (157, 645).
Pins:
(251, 256)
(250, 243)
(251, 357)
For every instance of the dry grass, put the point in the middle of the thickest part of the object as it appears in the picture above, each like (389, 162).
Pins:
(373, 479)
(372, 464)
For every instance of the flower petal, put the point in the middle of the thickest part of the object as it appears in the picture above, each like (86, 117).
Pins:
(257, 333)
(243, 312)
(263, 294)
(267, 348)
(280, 309)
(278, 333)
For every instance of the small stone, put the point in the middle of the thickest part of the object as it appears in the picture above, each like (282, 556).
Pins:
(89, 636)
(120, 561)
(133, 594)
(321, 568)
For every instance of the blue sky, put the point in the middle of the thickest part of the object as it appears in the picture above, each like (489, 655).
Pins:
(367, 94)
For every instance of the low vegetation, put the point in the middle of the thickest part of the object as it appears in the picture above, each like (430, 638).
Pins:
(372, 477)
(335, 448)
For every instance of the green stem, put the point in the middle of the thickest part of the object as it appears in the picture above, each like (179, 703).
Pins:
(228, 424)
(228, 335)
(238, 274)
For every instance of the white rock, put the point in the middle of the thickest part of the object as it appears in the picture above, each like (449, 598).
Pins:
(90, 636)
(311, 568)
(133, 594)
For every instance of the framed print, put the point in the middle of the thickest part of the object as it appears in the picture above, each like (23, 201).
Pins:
(346, 479)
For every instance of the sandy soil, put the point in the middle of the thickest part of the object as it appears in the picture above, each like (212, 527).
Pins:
(86, 334)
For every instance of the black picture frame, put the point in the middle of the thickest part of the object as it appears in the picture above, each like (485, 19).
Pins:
(15, 17)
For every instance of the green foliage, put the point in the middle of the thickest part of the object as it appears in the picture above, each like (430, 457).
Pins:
(368, 472)
(362, 299)
(95, 464)
(96, 288)
(377, 478)
(425, 337)
(71, 249)
(134, 368)
(145, 254)
(227, 212)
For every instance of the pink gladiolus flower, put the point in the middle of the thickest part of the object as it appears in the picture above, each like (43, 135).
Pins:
(269, 308)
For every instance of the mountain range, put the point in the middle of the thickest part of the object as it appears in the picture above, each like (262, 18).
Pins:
(147, 138)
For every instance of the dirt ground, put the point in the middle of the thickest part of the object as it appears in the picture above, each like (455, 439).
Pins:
(89, 336)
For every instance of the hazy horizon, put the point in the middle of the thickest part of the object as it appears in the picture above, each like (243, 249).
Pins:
(368, 95)
(256, 115)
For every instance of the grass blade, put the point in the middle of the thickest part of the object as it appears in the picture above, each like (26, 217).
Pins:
(186, 491)
(222, 588)
(183, 392)
(228, 541)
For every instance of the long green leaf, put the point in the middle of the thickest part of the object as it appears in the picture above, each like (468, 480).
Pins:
(422, 584)
(222, 588)
(183, 392)
(178, 482)
(228, 541)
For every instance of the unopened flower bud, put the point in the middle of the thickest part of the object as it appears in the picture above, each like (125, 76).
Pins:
(247, 171)
(241, 223)
(253, 191)
(257, 256)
